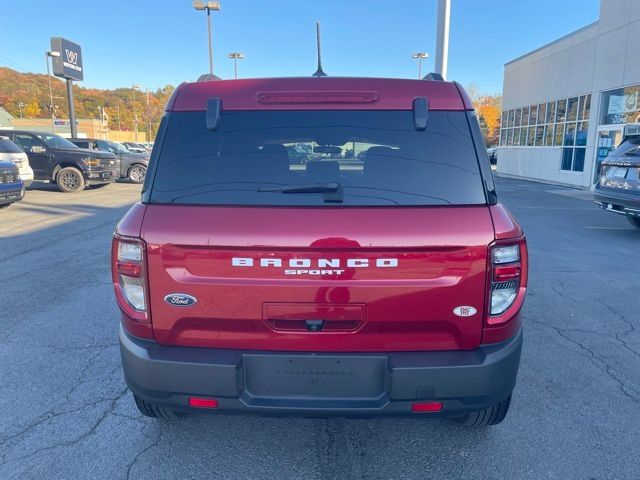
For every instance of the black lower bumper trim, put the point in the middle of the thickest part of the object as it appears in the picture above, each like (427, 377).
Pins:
(321, 384)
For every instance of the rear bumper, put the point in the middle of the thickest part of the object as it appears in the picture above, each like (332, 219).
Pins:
(621, 203)
(387, 383)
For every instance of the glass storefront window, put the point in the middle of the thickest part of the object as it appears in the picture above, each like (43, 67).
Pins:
(518, 119)
(539, 135)
(509, 136)
(511, 118)
(533, 114)
(561, 111)
(531, 136)
(569, 135)
(581, 134)
(621, 106)
(548, 137)
(578, 160)
(542, 113)
(551, 112)
(567, 156)
(572, 109)
(503, 136)
(559, 134)
(586, 107)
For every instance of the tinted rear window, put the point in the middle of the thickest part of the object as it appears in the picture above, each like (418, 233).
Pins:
(377, 158)
(7, 146)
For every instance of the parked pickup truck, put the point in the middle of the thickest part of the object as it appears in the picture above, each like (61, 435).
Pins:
(133, 166)
(386, 285)
(55, 159)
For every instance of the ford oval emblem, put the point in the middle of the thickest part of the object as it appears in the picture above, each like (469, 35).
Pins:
(464, 311)
(180, 300)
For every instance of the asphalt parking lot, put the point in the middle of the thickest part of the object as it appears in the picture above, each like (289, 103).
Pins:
(65, 411)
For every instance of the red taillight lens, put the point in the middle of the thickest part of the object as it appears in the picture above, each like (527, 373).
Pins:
(506, 272)
(420, 407)
(129, 276)
(203, 402)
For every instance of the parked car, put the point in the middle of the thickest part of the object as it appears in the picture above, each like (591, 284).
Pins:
(10, 152)
(11, 185)
(393, 287)
(135, 147)
(132, 165)
(618, 190)
(56, 159)
(493, 155)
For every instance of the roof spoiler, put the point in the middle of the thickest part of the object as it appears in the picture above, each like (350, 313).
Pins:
(214, 109)
(208, 77)
(436, 77)
(632, 130)
(420, 113)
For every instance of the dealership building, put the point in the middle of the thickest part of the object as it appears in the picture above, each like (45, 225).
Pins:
(565, 104)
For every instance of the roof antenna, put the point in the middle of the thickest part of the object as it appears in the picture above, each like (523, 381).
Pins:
(319, 72)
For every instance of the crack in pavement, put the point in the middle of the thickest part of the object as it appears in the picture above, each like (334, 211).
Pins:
(594, 358)
(155, 443)
(108, 411)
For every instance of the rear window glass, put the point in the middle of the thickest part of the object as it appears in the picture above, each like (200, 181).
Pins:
(7, 146)
(630, 147)
(301, 158)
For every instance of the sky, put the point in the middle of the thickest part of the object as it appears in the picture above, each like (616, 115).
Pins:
(160, 42)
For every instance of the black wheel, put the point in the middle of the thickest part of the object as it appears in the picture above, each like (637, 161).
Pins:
(154, 411)
(137, 173)
(70, 180)
(635, 221)
(490, 416)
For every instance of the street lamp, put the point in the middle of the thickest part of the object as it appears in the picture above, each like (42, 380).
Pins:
(419, 56)
(208, 6)
(134, 88)
(46, 59)
(236, 56)
(20, 105)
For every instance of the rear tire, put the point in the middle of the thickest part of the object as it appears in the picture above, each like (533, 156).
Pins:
(70, 180)
(154, 411)
(635, 221)
(487, 417)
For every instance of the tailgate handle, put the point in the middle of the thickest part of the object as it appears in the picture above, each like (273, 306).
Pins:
(314, 325)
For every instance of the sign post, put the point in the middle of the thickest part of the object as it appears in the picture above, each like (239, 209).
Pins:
(68, 65)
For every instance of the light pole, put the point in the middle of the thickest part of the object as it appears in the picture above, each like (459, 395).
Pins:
(419, 56)
(20, 105)
(134, 87)
(236, 56)
(442, 37)
(208, 6)
(46, 59)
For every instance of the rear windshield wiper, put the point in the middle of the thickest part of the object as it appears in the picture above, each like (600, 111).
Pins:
(333, 191)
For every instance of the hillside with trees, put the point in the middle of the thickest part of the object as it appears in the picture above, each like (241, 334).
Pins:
(27, 95)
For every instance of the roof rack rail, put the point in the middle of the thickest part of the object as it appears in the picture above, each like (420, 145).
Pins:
(433, 76)
(207, 77)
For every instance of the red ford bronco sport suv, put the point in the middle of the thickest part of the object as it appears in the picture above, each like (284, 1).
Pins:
(380, 276)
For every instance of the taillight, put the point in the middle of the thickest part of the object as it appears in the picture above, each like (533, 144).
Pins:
(505, 278)
(129, 282)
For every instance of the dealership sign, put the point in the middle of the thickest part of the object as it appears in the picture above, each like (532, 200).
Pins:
(69, 63)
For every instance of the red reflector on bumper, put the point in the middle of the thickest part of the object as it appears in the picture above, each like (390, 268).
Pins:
(203, 402)
(426, 407)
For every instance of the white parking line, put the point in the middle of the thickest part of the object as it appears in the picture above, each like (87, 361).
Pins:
(610, 228)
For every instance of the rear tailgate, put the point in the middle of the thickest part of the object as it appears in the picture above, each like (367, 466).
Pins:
(369, 279)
